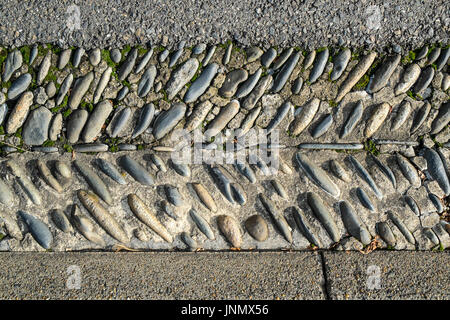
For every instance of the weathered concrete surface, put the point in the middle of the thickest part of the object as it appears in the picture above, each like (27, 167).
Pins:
(403, 275)
(168, 275)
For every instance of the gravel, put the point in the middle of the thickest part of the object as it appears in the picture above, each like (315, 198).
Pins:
(310, 24)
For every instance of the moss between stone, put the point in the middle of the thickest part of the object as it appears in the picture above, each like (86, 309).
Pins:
(370, 146)
(409, 58)
(362, 83)
(106, 57)
(25, 50)
(48, 143)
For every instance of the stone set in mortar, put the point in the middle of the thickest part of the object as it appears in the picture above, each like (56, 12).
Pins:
(320, 102)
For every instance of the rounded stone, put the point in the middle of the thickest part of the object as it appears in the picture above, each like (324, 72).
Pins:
(257, 227)
(35, 130)
(115, 55)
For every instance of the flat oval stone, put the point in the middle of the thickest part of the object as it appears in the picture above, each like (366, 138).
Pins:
(383, 73)
(95, 56)
(33, 54)
(35, 129)
(136, 170)
(127, 65)
(352, 120)
(409, 77)
(120, 121)
(245, 170)
(110, 170)
(19, 112)
(433, 55)
(442, 119)
(75, 124)
(409, 171)
(279, 189)
(251, 99)
(146, 82)
(309, 59)
(181, 77)
(122, 93)
(12, 63)
(403, 111)
(284, 74)
(48, 177)
(85, 226)
(340, 62)
(278, 218)
(436, 202)
(238, 193)
(322, 127)
(201, 84)
(181, 168)
(199, 48)
(412, 205)
(339, 171)
(386, 170)
(282, 112)
(55, 127)
(365, 175)
(429, 233)
(64, 58)
(353, 223)
(249, 121)
(230, 229)
(304, 118)
(205, 196)
(145, 118)
(377, 118)
(198, 115)
(174, 196)
(61, 221)
(422, 53)
(44, 67)
(304, 227)
(94, 181)
(420, 117)
(257, 227)
(232, 80)
(424, 80)
(167, 120)
(268, 57)
(436, 169)
(385, 233)
(253, 54)
(65, 86)
(79, 90)
(187, 239)
(39, 230)
(247, 86)
(297, 86)
(208, 55)
(6, 195)
(331, 146)
(163, 56)
(227, 55)
(104, 80)
(144, 61)
(166, 207)
(319, 65)
(443, 59)
(322, 213)
(284, 56)
(3, 112)
(115, 55)
(19, 86)
(126, 147)
(202, 224)
(25, 182)
(96, 120)
(77, 55)
(221, 120)
(364, 199)
(402, 227)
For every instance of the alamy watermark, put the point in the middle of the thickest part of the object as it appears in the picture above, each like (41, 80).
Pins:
(373, 17)
(374, 277)
(73, 21)
(74, 277)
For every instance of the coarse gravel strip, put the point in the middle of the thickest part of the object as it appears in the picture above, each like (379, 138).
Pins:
(310, 23)
(162, 275)
(402, 275)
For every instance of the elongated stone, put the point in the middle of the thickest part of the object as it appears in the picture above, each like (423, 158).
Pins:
(38, 229)
(47, 176)
(12, 63)
(365, 175)
(284, 74)
(402, 227)
(174, 196)
(25, 182)
(247, 86)
(422, 53)
(317, 175)
(355, 75)
(65, 86)
(198, 115)
(122, 93)
(420, 117)
(304, 227)
(35, 129)
(436, 169)
(44, 67)
(353, 223)
(202, 224)
(205, 196)
(230, 229)
(158, 162)
(166, 207)
(403, 111)
(85, 226)
(120, 122)
(429, 233)
(110, 170)
(232, 80)
(75, 124)
(187, 239)
(279, 219)
(383, 73)
(63, 169)
(163, 56)
(304, 118)
(221, 120)
(199, 48)
(127, 65)
(136, 170)
(443, 59)
(408, 170)
(319, 65)
(80, 88)
(259, 163)
(268, 57)
(412, 204)
(245, 170)
(94, 181)
(167, 120)
(253, 54)
(19, 113)
(3, 112)
(223, 182)
(279, 189)
(144, 214)
(309, 59)
(433, 55)
(249, 121)
(409, 77)
(257, 227)
(104, 80)
(201, 84)
(386, 170)
(61, 221)
(55, 127)
(340, 62)
(385, 233)
(208, 55)
(284, 56)
(77, 55)
(144, 61)
(145, 118)
(64, 58)
(377, 118)
(44, 149)
(238, 193)
(181, 77)
(424, 80)
(297, 86)
(227, 55)
(33, 54)
(91, 202)
(322, 213)
(436, 202)
(146, 82)
(251, 100)
(442, 119)
(11, 226)
(282, 112)
(339, 171)
(364, 199)
(181, 168)
(352, 120)
(96, 121)
(19, 86)
(6, 195)
(322, 127)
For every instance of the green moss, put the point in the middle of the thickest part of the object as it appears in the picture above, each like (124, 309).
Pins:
(142, 50)
(51, 76)
(2, 235)
(362, 83)
(48, 143)
(3, 56)
(87, 105)
(126, 84)
(106, 57)
(140, 147)
(332, 103)
(25, 50)
(409, 58)
(2, 130)
(411, 95)
(370, 146)
(304, 53)
(67, 113)
(67, 147)
(125, 51)
(18, 133)
(321, 49)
